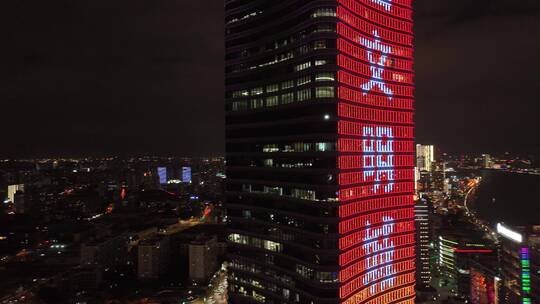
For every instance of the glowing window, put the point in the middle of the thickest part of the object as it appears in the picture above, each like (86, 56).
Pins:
(324, 92)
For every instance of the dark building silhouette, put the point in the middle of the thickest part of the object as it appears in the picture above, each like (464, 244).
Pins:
(320, 151)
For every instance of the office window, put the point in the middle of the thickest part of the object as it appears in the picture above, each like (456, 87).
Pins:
(323, 12)
(324, 92)
(320, 62)
(287, 85)
(323, 147)
(272, 101)
(302, 147)
(273, 246)
(319, 44)
(302, 66)
(287, 98)
(304, 95)
(273, 190)
(239, 105)
(325, 28)
(238, 94)
(304, 80)
(304, 49)
(304, 271)
(256, 91)
(272, 88)
(257, 103)
(327, 277)
(271, 148)
(238, 238)
(303, 194)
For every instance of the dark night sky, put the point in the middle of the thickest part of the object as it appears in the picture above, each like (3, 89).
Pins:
(145, 76)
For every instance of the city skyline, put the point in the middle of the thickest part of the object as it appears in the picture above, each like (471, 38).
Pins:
(131, 85)
(270, 151)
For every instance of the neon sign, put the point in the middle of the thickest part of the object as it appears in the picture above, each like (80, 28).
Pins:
(376, 155)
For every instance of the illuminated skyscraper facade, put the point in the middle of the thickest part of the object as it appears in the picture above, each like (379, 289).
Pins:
(320, 151)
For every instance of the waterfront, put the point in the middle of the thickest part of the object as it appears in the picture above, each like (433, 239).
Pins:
(507, 197)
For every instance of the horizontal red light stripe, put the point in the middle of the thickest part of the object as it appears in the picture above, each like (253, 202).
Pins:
(368, 292)
(361, 192)
(396, 11)
(356, 36)
(359, 81)
(363, 221)
(348, 17)
(393, 296)
(359, 52)
(370, 262)
(356, 129)
(354, 208)
(359, 97)
(364, 69)
(365, 280)
(374, 115)
(359, 237)
(367, 162)
(407, 3)
(366, 11)
(359, 145)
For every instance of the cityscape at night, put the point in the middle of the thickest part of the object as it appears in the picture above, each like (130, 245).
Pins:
(268, 152)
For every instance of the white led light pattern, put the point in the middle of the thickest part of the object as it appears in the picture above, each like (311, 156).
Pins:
(377, 66)
(382, 234)
(386, 4)
(382, 164)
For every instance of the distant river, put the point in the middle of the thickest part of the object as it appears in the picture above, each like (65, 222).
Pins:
(508, 197)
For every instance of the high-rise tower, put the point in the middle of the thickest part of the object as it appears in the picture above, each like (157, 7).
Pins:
(320, 151)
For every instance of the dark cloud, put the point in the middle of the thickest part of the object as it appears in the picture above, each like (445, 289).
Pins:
(143, 76)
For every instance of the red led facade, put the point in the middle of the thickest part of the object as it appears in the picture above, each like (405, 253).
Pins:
(376, 151)
(354, 128)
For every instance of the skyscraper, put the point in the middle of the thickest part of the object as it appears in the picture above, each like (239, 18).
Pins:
(320, 151)
(425, 156)
(423, 210)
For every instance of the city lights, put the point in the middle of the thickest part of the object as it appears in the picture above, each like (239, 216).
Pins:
(510, 234)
